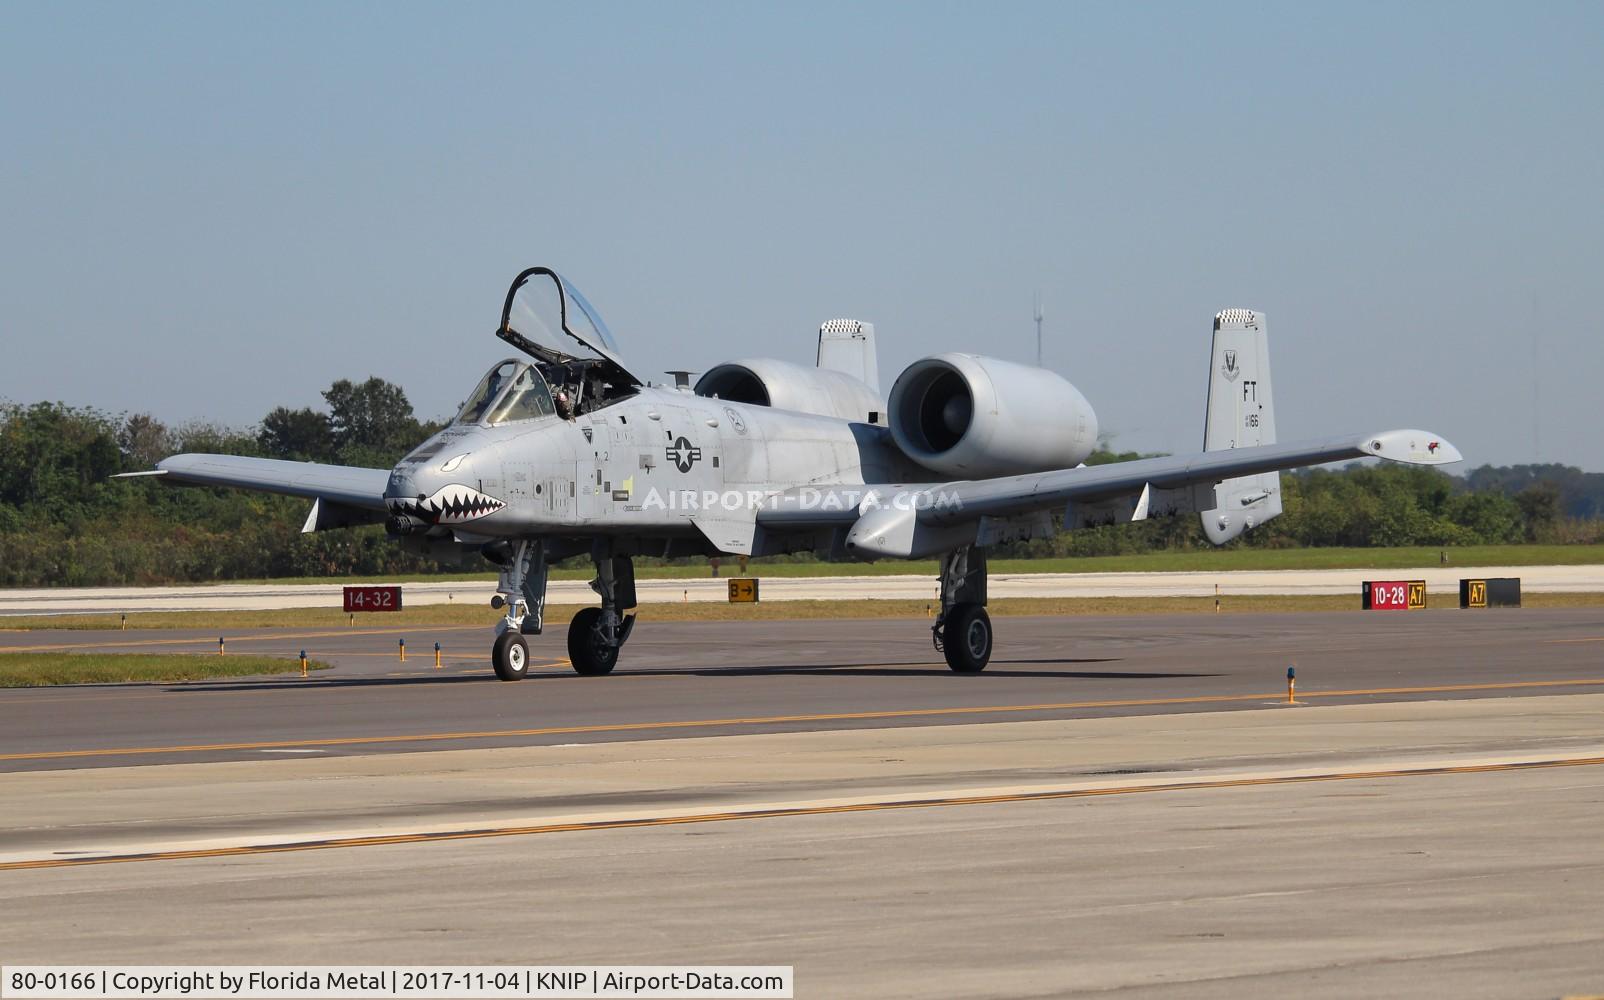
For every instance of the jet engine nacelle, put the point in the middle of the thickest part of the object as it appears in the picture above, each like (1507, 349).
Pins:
(967, 416)
(784, 386)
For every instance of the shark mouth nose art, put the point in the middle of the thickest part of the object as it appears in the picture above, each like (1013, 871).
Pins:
(451, 504)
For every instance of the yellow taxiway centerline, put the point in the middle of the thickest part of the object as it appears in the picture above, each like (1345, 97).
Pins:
(623, 727)
(794, 811)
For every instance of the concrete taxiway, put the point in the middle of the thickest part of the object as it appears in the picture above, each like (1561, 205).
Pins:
(1118, 805)
(1441, 581)
(1399, 849)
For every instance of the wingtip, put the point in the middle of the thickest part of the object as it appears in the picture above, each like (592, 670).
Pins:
(1412, 447)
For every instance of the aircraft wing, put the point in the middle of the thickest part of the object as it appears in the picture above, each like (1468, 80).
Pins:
(343, 495)
(919, 519)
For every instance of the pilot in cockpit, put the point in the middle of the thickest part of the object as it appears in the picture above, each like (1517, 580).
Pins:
(564, 388)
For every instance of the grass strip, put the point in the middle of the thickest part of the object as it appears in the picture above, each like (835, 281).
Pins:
(48, 669)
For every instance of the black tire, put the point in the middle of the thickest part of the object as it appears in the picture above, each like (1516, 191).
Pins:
(510, 656)
(966, 639)
(589, 655)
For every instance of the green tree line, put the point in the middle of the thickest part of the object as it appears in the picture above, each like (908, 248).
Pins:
(1380, 505)
(65, 522)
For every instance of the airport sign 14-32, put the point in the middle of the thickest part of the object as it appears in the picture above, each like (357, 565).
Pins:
(372, 599)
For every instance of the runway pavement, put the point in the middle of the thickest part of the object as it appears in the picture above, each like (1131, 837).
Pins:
(1443, 582)
(699, 679)
(1117, 805)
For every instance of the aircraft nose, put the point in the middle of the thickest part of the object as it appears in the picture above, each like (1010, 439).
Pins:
(410, 483)
(400, 485)
(421, 498)
(405, 496)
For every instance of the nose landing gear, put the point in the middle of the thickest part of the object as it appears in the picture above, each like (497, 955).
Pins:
(522, 591)
(510, 656)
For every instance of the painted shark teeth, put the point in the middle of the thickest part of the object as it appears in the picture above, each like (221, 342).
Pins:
(451, 504)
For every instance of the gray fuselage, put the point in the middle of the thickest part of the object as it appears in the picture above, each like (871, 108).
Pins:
(651, 465)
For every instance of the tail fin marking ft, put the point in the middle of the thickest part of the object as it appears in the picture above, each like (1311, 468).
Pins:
(1241, 414)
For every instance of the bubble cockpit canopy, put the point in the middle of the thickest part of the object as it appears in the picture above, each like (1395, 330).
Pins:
(512, 390)
(546, 317)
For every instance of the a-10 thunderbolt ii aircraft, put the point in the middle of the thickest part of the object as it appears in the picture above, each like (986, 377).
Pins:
(569, 451)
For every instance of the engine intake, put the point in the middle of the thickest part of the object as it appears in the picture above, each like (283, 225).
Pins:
(976, 417)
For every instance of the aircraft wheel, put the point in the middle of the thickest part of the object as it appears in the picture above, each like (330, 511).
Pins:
(590, 656)
(510, 656)
(966, 639)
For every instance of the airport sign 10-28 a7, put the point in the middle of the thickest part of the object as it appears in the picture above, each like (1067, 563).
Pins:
(1394, 595)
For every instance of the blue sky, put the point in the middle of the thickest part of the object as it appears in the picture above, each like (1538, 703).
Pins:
(210, 210)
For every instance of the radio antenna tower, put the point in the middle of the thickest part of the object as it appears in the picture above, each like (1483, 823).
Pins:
(1038, 329)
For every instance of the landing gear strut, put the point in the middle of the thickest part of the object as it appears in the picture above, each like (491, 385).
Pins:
(522, 591)
(962, 632)
(596, 634)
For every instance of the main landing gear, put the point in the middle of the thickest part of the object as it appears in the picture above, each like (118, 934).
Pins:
(594, 636)
(962, 632)
(597, 634)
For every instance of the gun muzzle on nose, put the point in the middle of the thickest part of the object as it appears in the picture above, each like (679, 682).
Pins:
(406, 524)
(406, 514)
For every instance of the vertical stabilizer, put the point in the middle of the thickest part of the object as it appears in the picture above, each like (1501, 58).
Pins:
(847, 346)
(1241, 414)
